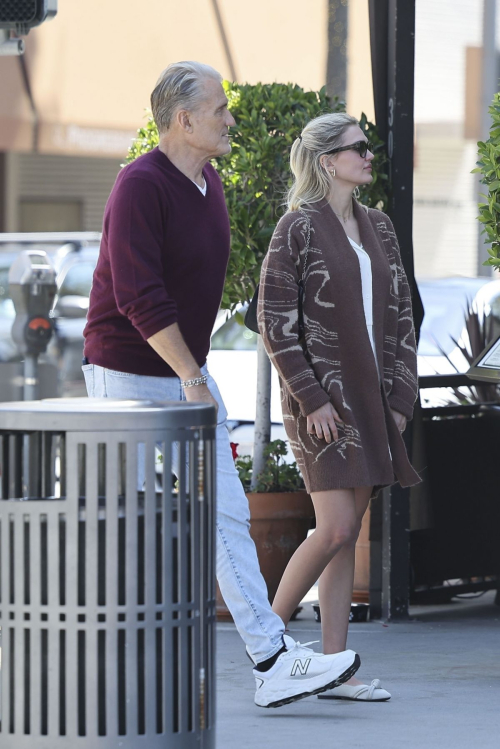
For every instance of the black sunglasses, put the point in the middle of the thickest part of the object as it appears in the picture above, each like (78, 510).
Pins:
(361, 146)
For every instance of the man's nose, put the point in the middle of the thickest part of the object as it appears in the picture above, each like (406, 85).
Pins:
(230, 120)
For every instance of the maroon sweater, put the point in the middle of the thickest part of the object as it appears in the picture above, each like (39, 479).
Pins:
(163, 259)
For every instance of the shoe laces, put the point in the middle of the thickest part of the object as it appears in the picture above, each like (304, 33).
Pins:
(303, 646)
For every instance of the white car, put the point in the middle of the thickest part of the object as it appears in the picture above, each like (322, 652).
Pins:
(232, 362)
(446, 301)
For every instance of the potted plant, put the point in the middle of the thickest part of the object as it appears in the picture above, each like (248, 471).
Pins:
(281, 513)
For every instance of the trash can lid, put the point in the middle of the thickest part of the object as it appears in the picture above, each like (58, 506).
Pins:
(103, 415)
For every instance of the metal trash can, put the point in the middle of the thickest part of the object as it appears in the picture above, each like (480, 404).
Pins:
(107, 598)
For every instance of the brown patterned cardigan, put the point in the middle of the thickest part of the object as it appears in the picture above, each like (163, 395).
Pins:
(342, 369)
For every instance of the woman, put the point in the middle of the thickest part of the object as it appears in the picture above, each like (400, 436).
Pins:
(350, 382)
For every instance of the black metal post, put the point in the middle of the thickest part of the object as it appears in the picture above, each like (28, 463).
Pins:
(336, 63)
(3, 189)
(392, 28)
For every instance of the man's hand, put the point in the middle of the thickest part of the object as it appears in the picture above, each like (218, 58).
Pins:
(201, 394)
(170, 345)
(400, 420)
(323, 423)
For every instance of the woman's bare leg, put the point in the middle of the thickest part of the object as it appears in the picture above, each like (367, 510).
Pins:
(336, 584)
(336, 525)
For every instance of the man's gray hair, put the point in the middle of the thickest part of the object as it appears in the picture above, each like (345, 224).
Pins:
(180, 86)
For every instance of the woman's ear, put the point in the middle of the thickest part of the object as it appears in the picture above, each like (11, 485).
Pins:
(326, 162)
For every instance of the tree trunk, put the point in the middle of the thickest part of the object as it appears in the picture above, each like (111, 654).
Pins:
(262, 435)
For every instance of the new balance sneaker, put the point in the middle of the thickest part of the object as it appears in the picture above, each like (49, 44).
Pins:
(300, 672)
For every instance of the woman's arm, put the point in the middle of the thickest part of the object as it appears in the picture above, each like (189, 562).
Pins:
(277, 313)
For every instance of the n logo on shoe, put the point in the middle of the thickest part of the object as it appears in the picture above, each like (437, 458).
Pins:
(300, 666)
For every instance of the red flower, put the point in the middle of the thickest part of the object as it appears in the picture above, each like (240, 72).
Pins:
(234, 445)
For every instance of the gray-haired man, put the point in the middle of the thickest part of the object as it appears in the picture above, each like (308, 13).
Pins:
(156, 292)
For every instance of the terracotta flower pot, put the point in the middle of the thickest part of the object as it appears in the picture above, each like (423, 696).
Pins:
(279, 523)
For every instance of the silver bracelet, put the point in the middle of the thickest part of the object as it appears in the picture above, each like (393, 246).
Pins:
(195, 381)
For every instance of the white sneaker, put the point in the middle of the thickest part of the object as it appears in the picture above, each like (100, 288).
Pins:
(300, 672)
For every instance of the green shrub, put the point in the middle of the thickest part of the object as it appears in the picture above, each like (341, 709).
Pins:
(489, 167)
(256, 174)
(277, 476)
(147, 139)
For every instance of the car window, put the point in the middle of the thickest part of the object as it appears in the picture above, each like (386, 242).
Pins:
(78, 280)
(234, 337)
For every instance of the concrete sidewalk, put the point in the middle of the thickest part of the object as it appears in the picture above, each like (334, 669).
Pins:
(442, 668)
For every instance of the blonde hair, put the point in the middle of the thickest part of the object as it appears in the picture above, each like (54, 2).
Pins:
(321, 135)
(180, 86)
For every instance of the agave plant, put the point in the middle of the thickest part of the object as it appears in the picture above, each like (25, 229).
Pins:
(478, 333)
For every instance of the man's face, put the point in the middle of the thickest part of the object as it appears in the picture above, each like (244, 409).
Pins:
(211, 121)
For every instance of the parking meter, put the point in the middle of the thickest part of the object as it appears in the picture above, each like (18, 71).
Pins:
(32, 286)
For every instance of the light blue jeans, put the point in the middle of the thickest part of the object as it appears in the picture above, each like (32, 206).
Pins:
(238, 573)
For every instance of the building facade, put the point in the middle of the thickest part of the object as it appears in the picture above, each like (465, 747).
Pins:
(70, 108)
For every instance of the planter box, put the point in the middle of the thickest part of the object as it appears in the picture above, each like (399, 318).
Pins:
(462, 540)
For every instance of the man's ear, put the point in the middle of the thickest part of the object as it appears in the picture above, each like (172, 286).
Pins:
(184, 120)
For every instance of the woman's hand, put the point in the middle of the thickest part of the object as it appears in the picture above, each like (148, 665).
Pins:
(323, 423)
(399, 419)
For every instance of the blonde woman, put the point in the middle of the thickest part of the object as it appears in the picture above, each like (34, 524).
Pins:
(349, 382)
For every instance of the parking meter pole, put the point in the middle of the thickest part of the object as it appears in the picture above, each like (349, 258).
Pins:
(31, 441)
(31, 387)
(32, 286)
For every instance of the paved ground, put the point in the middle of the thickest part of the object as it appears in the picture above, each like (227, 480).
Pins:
(442, 668)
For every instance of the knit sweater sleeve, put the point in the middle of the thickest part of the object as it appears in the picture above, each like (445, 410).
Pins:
(404, 389)
(278, 312)
(135, 243)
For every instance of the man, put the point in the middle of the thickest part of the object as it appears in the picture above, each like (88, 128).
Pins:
(155, 295)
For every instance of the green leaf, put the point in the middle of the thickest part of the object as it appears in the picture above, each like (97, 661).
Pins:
(488, 166)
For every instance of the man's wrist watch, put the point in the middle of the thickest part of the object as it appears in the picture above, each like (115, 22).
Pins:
(195, 381)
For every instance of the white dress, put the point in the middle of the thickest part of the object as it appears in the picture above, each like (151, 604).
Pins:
(365, 266)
